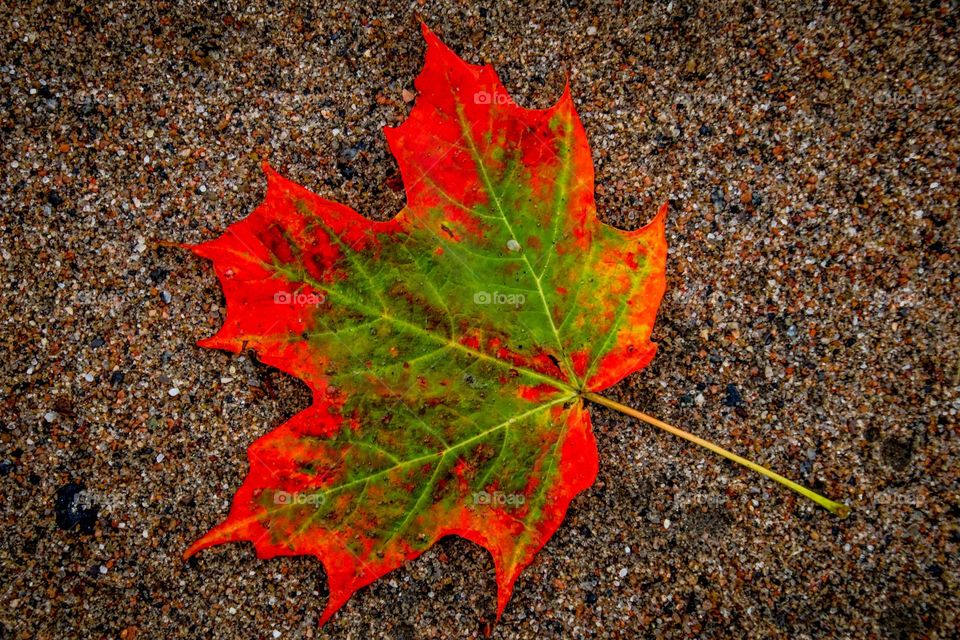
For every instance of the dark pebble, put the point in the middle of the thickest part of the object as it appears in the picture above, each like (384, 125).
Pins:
(733, 398)
(69, 511)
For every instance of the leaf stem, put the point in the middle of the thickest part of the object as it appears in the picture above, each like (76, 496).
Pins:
(835, 508)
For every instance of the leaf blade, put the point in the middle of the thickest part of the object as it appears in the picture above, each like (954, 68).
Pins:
(434, 379)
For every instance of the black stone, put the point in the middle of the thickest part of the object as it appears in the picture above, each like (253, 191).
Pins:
(70, 512)
(733, 399)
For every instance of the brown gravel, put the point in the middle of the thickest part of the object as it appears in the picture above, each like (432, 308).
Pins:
(810, 153)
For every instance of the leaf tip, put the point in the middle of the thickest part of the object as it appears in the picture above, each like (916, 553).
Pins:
(428, 34)
(505, 581)
(220, 534)
(657, 227)
(424, 29)
(661, 217)
(272, 175)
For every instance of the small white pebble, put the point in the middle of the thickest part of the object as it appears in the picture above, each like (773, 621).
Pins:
(174, 391)
(160, 457)
(232, 610)
(623, 572)
(699, 399)
(666, 523)
(103, 569)
(276, 634)
(145, 533)
(591, 31)
(88, 377)
(50, 416)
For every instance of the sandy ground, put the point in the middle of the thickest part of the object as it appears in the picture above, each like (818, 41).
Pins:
(810, 155)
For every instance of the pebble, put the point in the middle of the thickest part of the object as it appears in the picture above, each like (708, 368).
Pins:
(732, 398)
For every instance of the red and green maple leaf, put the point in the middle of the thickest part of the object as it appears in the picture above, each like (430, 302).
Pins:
(449, 351)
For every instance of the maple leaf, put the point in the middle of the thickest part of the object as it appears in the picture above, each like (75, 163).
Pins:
(449, 350)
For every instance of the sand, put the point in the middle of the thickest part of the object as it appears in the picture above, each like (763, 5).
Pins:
(810, 157)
